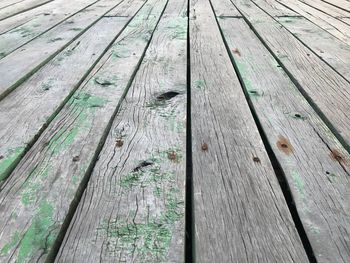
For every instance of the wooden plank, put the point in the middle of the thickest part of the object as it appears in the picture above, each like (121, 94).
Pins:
(319, 182)
(21, 7)
(27, 107)
(334, 26)
(328, 92)
(274, 8)
(6, 3)
(22, 63)
(13, 39)
(234, 185)
(225, 8)
(46, 185)
(142, 164)
(335, 52)
(343, 4)
(326, 8)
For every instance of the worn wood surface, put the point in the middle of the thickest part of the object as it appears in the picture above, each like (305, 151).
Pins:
(318, 176)
(22, 63)
(21, 7)
(325, 21)
(234, 185)
(44, 185)
(326, 8)
(274, 8)
(328, 92)
(133, 207)
(330, 49)
(61, 10)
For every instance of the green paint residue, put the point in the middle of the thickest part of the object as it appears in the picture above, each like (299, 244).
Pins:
(199, 84)
(89, 101)
(178, 28)
(23, 31)
(39, 236)
(2, 55)
(12, 244)
(8, 161)
(299, 184)
(151, 236)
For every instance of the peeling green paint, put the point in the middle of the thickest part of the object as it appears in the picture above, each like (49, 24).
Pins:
(10, 245)
(199, 84)
(299, 184)
(8, 161)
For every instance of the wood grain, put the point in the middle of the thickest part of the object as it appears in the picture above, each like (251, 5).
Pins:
(44, 186)
(330, 49)
(22, 63)
(315, 164)
(235, 187)
(328, 92)
(21, 7)
(133, 207)
(15, 38)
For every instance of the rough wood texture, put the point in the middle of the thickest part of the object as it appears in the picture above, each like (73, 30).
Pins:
(28, 109)
(24, 62)
(325, 89)
(315, 164)
(325, 21)
(235, 187)
(21, 7)
(343, 4)
(274, 8)
(225, 8)
(37, 197)
(326, 8)
(61, 10)
(133, 207)
(335, 52)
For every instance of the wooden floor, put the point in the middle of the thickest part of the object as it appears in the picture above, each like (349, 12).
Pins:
(175, 131)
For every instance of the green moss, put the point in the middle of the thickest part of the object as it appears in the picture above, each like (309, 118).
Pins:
(39, 236)
(9, 160)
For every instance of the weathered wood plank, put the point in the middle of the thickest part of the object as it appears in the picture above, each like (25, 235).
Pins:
(21, 7)
(6, 3)
(335, 52)
(26, 111)
(21, 35)
(326, 8)
(47, 183)
(136, 212)
(235, 187)
(274, 8)
(334, 26)
(328, 92)
(343, 4)
(225, 8)
(315, 164)
(22, 63)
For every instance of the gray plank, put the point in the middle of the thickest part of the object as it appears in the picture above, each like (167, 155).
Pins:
(335, 52)
(225, 8)
(328, 92)
(27, 110)
(326, 8)
(334, 26)
(15, 38)
(343, 4)
(274, 8)
(21, 7)
(239, 209)
(22, 63)
(136, 212)
(6, 3)
(47, 183)
(319, 182)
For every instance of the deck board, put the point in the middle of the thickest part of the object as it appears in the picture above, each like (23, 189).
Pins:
(234, 185)
(174, 131)
(284, 115)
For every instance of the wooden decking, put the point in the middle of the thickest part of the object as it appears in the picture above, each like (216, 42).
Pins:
(175, 131)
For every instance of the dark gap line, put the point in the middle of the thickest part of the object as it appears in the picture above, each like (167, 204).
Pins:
(300, 88)
(45, 61)
(323, 12)
(25, 10)
(46, 30)
(189, 206)
(84, 183)
(30, 144)
(223, 16)
(313, 22)
(273, 159)
(11, 4)
(302, 41)
(291, 16)
(336, 6)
